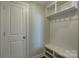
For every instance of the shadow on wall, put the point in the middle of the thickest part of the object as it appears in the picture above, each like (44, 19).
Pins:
(36, 30)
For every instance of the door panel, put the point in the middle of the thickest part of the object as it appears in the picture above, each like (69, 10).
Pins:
(16, 19)
(17, 49)
(14, 26)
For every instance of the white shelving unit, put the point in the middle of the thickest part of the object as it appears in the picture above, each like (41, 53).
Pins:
(56, 10)
(59, 7)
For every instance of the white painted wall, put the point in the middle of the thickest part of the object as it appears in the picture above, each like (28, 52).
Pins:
(36, 30)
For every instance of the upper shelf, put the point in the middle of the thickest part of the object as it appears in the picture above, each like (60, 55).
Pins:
(63, 14)
(61, 9)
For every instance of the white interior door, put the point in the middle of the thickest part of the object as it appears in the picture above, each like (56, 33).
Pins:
(14, 30)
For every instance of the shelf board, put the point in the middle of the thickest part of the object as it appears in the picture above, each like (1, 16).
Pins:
(63, 52)
(62, 14)
(53, 3)
(60, 2)
(49, 53)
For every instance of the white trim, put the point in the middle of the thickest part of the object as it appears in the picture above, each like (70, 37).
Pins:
(28, 31)
(1, 27)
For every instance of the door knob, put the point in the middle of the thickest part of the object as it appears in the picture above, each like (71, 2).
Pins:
(24, 37)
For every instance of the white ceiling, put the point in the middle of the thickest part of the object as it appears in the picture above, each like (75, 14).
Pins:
(43, 3)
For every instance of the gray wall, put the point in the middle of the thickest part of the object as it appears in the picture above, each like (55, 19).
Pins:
(36, 45)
